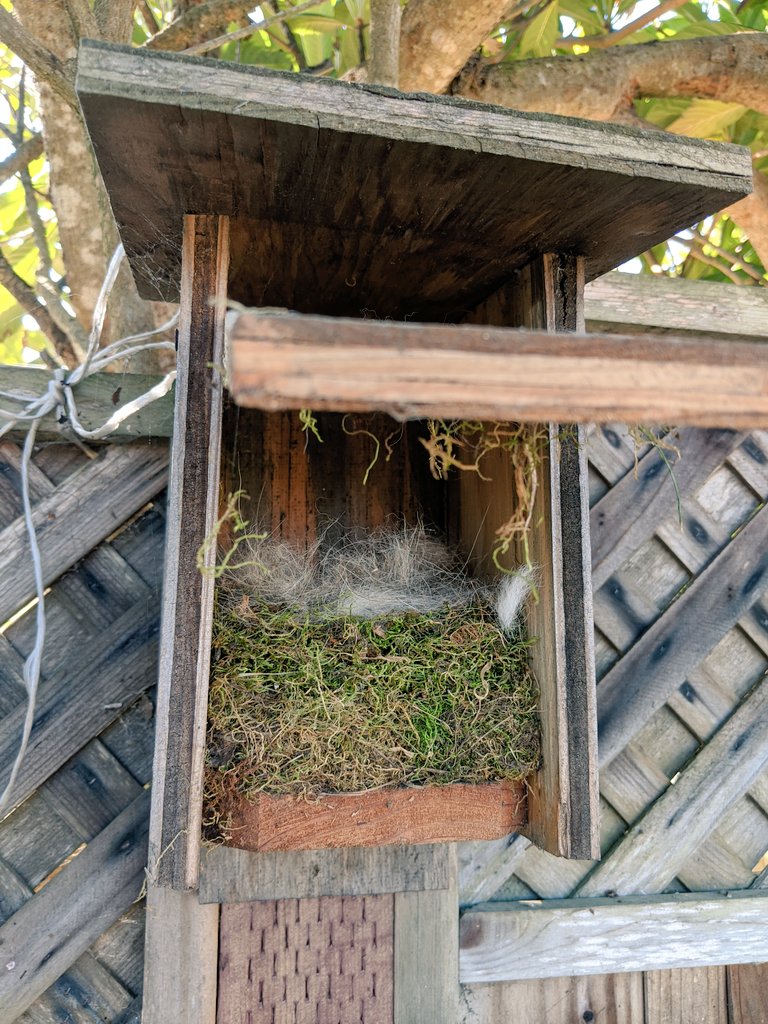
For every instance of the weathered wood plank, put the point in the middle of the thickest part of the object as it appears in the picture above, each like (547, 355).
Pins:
(413, 371)
(645, 677)
(680, 996)
(75, 705)
(97, 397)
(484, 867)
(462, 181)
(185, 646)
(179, 958)
(391, 815)
(84, 993)
(228, 875)
(602, 998)
(675, 304)
(426, 954)
(318, 961)
(661, 841)
(57, 925)
(630, 512)
(747, 993)
(563, 798)
(101, 495)
(509, 941)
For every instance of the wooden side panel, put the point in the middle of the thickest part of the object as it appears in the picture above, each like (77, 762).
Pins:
(563, 809)
(682, 996)
(188, 594)
(426, 945)
(747, 993)
(313, 961)
(180, 959)
(235, 876)
(601, 999)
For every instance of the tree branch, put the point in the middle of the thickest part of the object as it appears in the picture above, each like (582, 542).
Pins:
(84, 23)
(439, 36)
(385, 42)
(43, 64)
(27, 299)
(732, 69)
(751, 215)
(30, 149)
(114, 19)
(202, 21)
(243, 33)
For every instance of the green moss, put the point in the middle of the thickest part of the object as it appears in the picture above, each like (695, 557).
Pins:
(343, 705)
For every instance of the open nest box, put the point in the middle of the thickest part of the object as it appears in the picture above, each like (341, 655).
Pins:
(407, 235)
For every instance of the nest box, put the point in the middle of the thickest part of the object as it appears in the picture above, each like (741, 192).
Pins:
(408, 235)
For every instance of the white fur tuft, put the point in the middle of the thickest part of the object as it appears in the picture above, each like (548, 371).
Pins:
(512, 594)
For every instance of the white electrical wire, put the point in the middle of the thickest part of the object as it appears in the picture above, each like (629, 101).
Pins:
(59, 399)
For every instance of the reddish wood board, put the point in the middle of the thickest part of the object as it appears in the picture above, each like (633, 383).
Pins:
(429, 814)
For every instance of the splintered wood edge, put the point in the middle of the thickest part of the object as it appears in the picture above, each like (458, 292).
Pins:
(390, 816)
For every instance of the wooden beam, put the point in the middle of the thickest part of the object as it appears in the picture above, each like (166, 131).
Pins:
(58, 924)
(228, 875)
(416, 371)
(185, 639)
(97, 397)
(426, 945)
(563, 808)
(180, 959)
(619, 300)
(545, 939)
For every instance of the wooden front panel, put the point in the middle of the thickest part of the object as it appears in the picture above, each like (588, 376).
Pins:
(313, 961)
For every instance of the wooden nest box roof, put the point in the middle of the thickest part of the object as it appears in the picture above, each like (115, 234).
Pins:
(353, 200)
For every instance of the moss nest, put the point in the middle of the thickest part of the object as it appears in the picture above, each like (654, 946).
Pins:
(312, 699)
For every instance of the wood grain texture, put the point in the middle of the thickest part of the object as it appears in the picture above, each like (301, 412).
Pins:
(647, 675)
(631, 511)
(747, 993)
(426, 954)
(180, 958)
(650, 854)
(193, 492)
(680, 996)
(484, 867)
(228, 875)
(511, 941)
(417, 814)
(97, 397)
(102, 493)
(416, 371)
(563, 813)
(42, 939)
(118, 664)
(313, 961)
(604, 999)
(675, 304)
(427, 182)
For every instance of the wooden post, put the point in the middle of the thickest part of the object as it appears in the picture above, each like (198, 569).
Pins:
(185, 638)
(563, 800)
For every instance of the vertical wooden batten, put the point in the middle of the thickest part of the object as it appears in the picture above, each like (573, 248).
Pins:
(185, 638)
(563, 799)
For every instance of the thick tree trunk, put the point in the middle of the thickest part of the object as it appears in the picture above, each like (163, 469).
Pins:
(86, 227)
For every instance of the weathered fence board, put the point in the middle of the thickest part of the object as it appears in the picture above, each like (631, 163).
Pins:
(504, 942)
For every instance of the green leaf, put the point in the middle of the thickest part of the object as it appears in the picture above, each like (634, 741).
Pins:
(707, 119)
(321, 23)
(541, 32)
